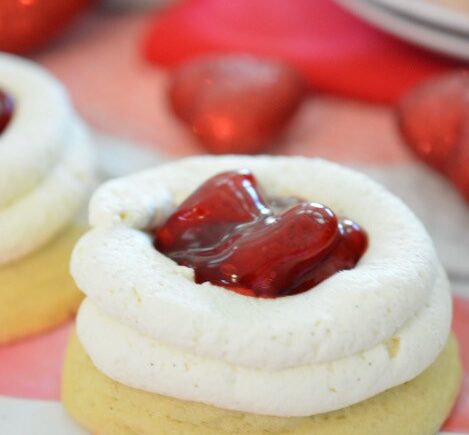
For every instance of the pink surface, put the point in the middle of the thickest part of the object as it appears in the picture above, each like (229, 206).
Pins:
(336, 52)
(459, 420)
(31, 368)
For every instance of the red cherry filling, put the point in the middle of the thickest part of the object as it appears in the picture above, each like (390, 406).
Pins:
(213, 212)
(230, 236)
(6, 110)
(351, 246)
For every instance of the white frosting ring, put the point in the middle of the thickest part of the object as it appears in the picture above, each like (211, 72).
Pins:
(32, 142)
(46, 165)
(145, 320)
(141, 362)
(36, 217)
(350, 312)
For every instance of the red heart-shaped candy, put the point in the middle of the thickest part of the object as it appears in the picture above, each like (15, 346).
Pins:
(434, 121)
(27, 25)
(235, 103)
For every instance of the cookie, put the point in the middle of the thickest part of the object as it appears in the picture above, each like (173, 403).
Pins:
(46, 177)
(201, 333)
(104, 406)
(37, 291)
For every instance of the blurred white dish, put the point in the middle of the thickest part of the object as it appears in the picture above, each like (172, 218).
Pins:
(43, 418)
(432, 12)
(425, 34)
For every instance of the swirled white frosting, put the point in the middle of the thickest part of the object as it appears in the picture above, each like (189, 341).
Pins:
(45, 160)
(146, 324)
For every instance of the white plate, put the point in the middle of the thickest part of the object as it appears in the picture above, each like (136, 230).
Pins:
(431, 12)
(35, 417)
(405, 27)
(40, 417)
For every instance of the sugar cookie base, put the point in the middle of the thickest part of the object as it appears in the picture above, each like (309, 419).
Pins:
(106, 407)
(37, 292)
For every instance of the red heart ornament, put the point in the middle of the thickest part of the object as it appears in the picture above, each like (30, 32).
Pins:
(235, 103)
(434, 121)
(458, 167)
(27, 25)
(228, 234)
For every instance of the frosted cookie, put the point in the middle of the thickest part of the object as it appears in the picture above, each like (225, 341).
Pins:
(254, 295)
(46, 171)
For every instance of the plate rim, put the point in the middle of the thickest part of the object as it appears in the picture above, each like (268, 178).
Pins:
(404, 28)
(430, 12)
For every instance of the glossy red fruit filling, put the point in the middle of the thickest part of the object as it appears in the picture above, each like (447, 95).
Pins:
(346, 254)
(6, 110)
(232, 236)
(213, 212)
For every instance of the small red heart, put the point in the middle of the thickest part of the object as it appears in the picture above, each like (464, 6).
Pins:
(6, 110)
(235, 103)
(27, 25)
(231, 237)
(434, 120)
(458, 166)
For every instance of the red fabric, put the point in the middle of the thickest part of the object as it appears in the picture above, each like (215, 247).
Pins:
(336, 52)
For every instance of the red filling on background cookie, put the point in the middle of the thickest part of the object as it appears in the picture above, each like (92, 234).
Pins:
(233, 236)
(6, 110)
